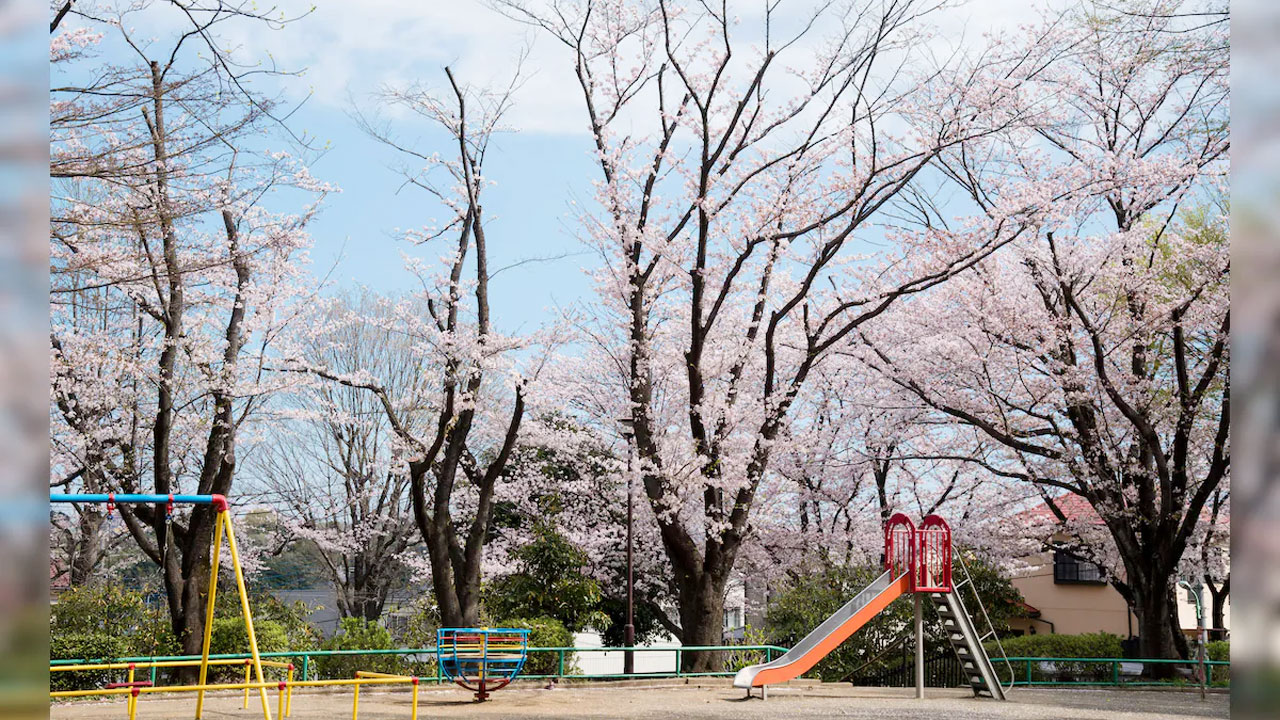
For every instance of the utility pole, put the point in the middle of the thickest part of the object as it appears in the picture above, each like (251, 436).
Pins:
(1197, 592)
(629, 630)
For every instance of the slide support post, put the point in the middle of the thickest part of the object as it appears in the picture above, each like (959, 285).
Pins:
(919, 628)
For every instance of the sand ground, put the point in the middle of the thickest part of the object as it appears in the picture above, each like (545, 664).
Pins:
(679, 700)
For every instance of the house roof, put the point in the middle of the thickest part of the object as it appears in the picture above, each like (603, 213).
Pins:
(1027, 610)
(1074, 507)
(1077, 509)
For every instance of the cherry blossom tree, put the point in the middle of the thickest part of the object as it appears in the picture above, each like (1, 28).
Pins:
(860, 449)
(171, 274)
(745, 174)
(333, 469)
(1095, 352)
(468, 381)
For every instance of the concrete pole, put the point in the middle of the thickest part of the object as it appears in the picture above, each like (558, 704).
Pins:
(1201, 631)
(919, 646)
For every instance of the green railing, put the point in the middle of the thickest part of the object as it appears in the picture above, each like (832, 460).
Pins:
(306, 657)
(1032, 671)
(1039, 671)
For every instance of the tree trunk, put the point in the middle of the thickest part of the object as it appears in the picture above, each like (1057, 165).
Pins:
(367, 607)
(186, 578)
(1157, 615)
(701, 622)
(1218, 600)
(87, 549)
(1219, 621)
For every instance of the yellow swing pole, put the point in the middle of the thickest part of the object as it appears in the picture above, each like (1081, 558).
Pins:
(208, 614)
(248, 618)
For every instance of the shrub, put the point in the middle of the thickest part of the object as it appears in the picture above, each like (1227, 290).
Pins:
(1218, 650)
(357, 634)
(419, 632)
(89, 646)
(114, 611)
(545, 632)
(738, 659)
(230, 636)
(1087, 645)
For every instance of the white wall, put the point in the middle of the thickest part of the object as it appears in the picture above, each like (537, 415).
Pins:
(610, 661)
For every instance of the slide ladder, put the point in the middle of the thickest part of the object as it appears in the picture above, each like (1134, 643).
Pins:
(966, 639)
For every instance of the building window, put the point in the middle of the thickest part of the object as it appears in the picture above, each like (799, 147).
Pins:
(1068, 569)
(732, 618)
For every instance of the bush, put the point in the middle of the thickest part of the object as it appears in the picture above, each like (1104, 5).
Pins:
(545, 632)
(1087, 645)
(113, 611)
(419, 632)
(1218, 650)
(229, 636)
(357, 634)
(89, 646)
(738, 659)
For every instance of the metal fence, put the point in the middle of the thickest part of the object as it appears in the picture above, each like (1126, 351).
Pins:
(1115, 671)
(307, 660)
(1031, 671)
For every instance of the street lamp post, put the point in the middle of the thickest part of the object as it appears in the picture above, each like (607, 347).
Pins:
(1196, 591)
(629, 630)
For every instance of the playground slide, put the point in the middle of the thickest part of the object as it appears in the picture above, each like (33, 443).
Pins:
(827, 636)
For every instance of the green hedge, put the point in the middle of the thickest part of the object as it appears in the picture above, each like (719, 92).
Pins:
(1088, 645)
(90, 646)
(545, 632)
(357, 634)
(1218, 650)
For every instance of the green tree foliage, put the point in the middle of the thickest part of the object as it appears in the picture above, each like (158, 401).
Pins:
(813, 597)
(357, 634)
(545, 632)
(550, 582)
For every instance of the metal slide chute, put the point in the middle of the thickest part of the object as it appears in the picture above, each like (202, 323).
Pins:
(827, 636)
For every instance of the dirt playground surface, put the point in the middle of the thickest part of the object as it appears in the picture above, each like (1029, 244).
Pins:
(671, 700)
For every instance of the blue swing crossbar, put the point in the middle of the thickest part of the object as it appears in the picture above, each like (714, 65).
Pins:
(481, 659)
(218, 501)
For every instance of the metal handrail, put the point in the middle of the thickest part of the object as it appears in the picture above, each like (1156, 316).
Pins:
(1026, 661)
(968, 579)
(771, 651)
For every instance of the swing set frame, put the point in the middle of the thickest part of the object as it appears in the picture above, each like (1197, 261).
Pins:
(222, 525)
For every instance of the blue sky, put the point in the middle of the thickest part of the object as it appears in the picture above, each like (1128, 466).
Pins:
(535, 174)
(349, 50)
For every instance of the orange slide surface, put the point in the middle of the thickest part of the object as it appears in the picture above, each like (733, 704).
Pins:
(810, 650)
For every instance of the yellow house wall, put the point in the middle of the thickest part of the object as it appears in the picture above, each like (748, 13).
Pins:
(1072, 608)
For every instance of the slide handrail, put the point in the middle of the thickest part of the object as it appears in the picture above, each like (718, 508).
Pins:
(973, 589)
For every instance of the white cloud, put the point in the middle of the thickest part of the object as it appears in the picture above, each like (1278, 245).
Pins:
(350, 49)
